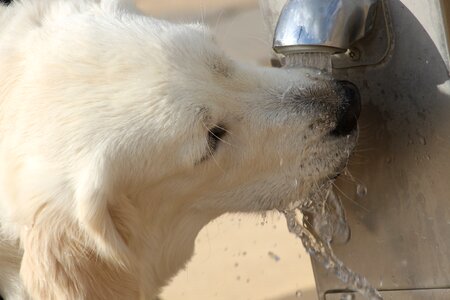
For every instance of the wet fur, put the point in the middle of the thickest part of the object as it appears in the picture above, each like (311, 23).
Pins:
(107, 172)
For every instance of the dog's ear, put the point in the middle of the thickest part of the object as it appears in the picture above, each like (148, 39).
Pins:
(66, 247)
(94, 198)
(59, 263)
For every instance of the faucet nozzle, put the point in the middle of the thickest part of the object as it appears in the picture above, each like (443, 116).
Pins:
(322, 25)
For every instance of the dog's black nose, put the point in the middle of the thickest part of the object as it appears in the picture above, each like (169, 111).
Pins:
(349, 110)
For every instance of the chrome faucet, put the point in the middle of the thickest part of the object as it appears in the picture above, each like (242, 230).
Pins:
(322, 25)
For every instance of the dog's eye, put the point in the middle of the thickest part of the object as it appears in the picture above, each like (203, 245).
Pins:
(215, 135)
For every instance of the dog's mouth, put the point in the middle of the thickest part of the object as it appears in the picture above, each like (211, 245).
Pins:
(316, 197)
(340, 169)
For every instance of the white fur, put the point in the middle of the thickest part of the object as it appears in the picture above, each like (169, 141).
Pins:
(105, 172)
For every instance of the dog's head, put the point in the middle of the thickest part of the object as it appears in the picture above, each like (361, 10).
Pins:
(235, 137)
(125, 123)
(167, 109)
(191, 131)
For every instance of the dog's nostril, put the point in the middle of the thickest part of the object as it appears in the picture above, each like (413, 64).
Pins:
(349, 110)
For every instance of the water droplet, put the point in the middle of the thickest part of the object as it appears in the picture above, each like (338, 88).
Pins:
(361, 190)
(298, 294)
(347, 153)
(348, 296)
(273, 256)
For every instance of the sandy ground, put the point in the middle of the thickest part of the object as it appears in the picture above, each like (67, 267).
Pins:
(238, 256)
(246, 257)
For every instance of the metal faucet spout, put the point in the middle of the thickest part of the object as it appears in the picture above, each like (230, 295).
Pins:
(323, 25)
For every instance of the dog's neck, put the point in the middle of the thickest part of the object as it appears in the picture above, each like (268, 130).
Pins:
(167, 243)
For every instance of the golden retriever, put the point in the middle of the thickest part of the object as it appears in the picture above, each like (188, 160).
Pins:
(122, 135)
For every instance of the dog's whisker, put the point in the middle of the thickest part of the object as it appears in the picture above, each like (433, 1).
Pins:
(356, 163)
(227, 30)
(347, 173)
(220, 139)
(363, 150)
(219, 19)
(202, 13)
(346, 179)
(358, 155)
(350, 199)
(259, 39)
(211, 154)
(225, 129)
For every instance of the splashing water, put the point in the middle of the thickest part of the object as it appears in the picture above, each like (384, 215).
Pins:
(328, 222)
(348, 297)
(361, 190)
(324, 219)
(315, 60)
(324, 213)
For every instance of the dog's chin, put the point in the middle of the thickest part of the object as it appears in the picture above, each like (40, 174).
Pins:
(306, 191)
(342, 166)
(348, 147)
(315, 188)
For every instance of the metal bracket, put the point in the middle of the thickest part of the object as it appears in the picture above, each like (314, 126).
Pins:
(373, 49)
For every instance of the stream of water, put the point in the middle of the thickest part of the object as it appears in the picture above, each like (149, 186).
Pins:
(320, 61)
(320, 219)
(319, 248)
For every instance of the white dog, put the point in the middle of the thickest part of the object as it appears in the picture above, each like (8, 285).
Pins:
(121, 136)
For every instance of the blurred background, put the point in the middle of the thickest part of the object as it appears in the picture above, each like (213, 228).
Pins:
(238, 257)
